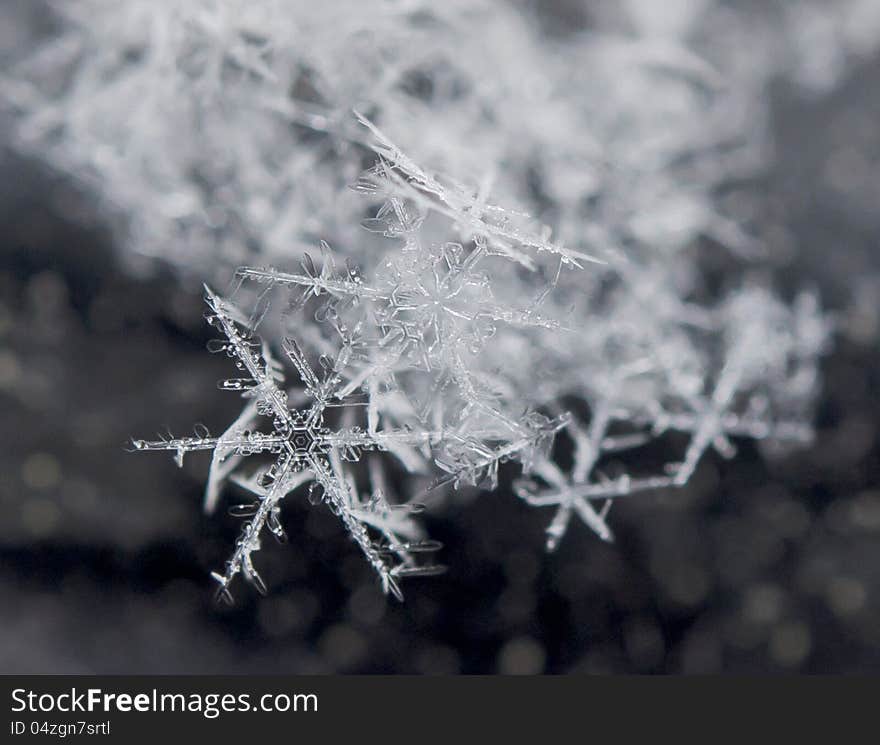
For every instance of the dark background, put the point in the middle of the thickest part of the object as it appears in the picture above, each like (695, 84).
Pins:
(758, 565)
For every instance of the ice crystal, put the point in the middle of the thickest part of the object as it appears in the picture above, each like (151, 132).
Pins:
(457, 353)
(533, 273)
(304, 451)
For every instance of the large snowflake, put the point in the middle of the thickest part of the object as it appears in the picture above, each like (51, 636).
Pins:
(304, 450)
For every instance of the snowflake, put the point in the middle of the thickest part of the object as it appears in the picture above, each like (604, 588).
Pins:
(304, 450)
(575, 493)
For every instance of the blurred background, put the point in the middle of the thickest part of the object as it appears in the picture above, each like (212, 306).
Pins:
(758, 565)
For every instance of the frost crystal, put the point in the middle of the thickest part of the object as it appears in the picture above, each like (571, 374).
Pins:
(457, 354)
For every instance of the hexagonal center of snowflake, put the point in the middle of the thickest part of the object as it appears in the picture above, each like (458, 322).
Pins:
(303, 441)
